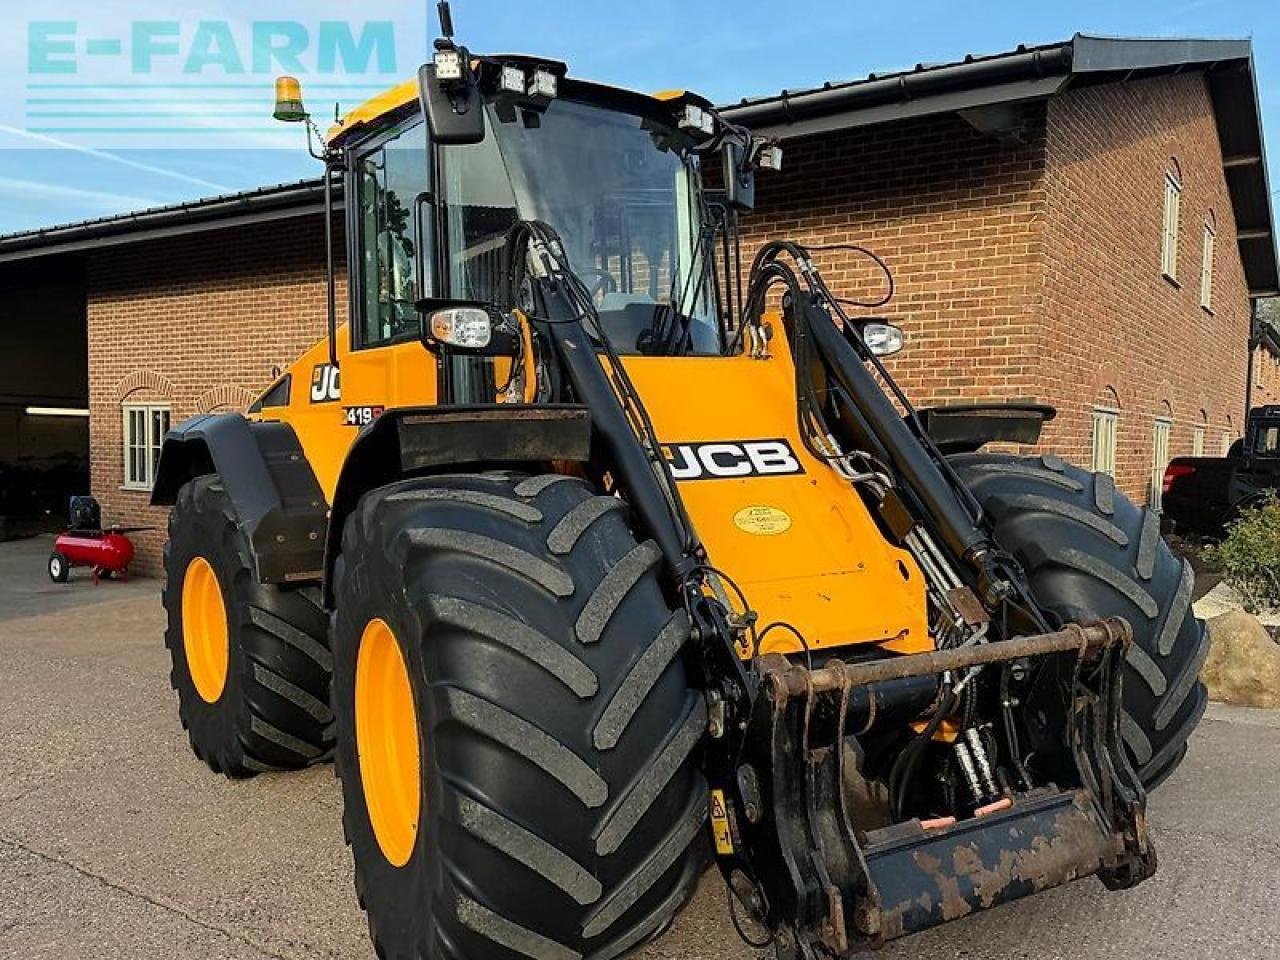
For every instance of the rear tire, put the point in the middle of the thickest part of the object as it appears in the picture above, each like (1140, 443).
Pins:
(271, 710)
(1091, 553)
(562, 808)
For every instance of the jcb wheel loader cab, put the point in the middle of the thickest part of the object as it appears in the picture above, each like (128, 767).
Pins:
(250, 660)
(517, 738)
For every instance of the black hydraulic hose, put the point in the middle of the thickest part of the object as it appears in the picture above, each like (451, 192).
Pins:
(948, 513)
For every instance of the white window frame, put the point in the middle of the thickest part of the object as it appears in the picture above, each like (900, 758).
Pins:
(1106, 423)
(141, 453)
(1226, 443)
(1197, 441)
(1172, 214)
(1206, 267)
(1160, 430)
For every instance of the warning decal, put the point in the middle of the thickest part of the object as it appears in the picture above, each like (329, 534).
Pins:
(720, 824)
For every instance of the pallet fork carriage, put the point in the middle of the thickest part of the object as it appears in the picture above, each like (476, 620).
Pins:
(854, 887)
(584, 548)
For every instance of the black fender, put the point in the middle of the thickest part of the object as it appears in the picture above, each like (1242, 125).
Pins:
(262, 466)
(413, 441)
(967, 427)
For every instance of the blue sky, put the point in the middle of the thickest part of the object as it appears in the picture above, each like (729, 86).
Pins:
(724, 50)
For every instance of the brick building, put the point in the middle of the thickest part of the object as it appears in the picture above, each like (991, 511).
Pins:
(1046, 214)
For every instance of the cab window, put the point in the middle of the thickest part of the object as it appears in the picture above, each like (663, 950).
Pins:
(394, 222)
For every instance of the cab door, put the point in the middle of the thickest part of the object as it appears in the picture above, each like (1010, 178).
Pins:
(390, 210)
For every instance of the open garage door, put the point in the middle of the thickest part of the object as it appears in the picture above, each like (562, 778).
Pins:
(44, 393)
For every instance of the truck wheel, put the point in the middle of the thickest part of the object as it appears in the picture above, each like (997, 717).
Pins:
(1091, 553)
(59, 568)
(251, 661)
(517, 739)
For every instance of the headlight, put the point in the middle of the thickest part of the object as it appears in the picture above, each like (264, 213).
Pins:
(467, 327)
(883, 339)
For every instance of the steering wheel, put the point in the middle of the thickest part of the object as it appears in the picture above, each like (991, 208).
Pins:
(599, 283)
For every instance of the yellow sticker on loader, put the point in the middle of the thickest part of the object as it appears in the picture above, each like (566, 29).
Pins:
(762, 521)
(720, 824)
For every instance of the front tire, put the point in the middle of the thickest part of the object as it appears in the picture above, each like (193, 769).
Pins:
(1090, 553)
(558, 809)
(251, 662)
(59, 568)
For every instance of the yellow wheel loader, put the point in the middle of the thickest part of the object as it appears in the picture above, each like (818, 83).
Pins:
(590, 551)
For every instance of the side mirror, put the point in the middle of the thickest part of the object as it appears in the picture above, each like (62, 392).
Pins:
(474, 329)
(451, 99)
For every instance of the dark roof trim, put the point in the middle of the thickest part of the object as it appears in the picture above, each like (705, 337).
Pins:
(785, 115)
(1031, 73)
(264, 205)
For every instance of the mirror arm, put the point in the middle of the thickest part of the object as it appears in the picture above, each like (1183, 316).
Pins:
(331, 291)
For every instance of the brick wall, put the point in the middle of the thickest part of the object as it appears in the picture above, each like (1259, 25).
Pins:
(1115, 332)
(955, 214)
(1266, 377)
(200, 323)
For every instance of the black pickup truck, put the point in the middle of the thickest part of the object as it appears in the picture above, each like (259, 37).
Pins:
(1204, 494)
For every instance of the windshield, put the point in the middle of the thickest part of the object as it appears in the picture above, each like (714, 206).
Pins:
(623, 203)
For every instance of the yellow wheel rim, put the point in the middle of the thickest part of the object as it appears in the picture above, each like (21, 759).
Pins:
(387, 743)
(204, 630)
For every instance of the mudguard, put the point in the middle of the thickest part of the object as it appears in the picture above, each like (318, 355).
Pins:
(964, 428)
(278, 501)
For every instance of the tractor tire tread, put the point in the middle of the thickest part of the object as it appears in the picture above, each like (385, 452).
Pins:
(1079, 568)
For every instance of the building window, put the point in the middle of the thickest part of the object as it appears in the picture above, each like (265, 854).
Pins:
(1159, 460)
(1197, 442)
(1206, 265)
(1172, 212)
(1225, 443)
(1104, 440)
(144, 430)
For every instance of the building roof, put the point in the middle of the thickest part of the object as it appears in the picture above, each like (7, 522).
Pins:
(212, 213)
(979, 83)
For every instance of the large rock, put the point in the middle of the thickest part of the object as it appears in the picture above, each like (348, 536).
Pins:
(1243, 667)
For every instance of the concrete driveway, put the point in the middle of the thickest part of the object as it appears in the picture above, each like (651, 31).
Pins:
(116, 843)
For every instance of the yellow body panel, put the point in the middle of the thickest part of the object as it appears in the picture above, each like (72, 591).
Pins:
(326, 412)
(802, 546)
(825, 569)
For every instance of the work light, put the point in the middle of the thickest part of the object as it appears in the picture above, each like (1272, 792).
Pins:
(544, 84)
(512, 80)
(448, 65)
(770, 157)
(692, 117)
